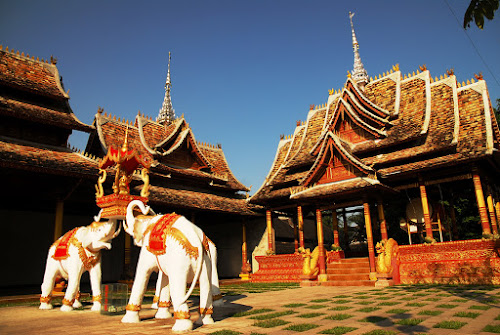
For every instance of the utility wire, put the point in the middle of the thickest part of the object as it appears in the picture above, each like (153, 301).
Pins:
(472, 42)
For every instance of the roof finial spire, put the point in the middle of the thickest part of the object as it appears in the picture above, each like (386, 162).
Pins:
(167, 112)
(359, 74)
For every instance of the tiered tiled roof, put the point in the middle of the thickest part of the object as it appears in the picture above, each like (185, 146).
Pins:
(397, 125)
(35, 92)
(32, 95)
(186, 173)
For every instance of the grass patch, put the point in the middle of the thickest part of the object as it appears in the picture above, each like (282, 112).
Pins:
(338, 330)
(272, 315)
(225, 332)
(364, 302)
(320, 300)
(362, 297)
(301, 327)
(341, 301)
(471, 315)
(294, 305)
(497, 318)
(416, 304)
(397, 311)
(368, 309)
(389, 303)
(443, 295)
(270, 323)
(252, 312)
(384, 298)
(451, 324)
(342, 296)
(309, 315)
(421, 294)
(407, 299)
(409, 322)
(480, 307)
(338, 316)
(380, 332)
(459, 300)
(373, 319)
(430, 312)
(339, 308)
(316, 306)
(492, 329)
(447, 306)
(431, 299)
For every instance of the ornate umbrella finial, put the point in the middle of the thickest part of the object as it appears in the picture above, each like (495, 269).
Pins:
(167, 112)
(359, 74)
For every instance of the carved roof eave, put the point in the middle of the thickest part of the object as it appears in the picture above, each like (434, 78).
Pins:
(99, 121)
(337, 142)
(367, 113)
(368, 182)
(186, 135)
(179, 123)
(372, 130)
(367, 101)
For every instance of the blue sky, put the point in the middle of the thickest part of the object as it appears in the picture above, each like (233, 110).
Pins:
(243, 72)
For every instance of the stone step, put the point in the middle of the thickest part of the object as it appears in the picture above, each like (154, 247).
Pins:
(344, 270)
(348, 277)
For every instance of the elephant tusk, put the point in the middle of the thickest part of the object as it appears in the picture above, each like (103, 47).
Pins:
(118, 231)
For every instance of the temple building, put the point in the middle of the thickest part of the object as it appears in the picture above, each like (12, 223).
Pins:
(45, 182)
(49, 188)
(380, 144)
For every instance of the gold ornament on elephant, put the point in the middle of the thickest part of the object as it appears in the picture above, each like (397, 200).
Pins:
(386, 250)
(145, 179)
(99, 189)
(310, 265)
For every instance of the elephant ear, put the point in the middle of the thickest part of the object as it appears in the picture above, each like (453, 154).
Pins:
(85, 237)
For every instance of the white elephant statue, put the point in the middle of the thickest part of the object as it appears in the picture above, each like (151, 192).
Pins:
(173, 245)
(75, 252)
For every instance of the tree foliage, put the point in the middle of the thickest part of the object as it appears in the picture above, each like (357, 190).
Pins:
(478, 10)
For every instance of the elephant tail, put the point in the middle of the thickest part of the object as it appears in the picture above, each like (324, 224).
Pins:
(198, 269)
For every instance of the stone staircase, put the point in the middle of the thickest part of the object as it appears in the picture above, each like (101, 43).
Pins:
(349, 272)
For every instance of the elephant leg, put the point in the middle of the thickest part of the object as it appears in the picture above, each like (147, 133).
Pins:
(77, 303)
(145, 266)
(216, 294)
(95, 284)
(49, 278)
(156, 298)
(163, 296)
(206, 308)
(177, 271)
(74, 276)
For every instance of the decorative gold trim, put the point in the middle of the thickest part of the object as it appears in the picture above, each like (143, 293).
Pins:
(88, 262)
(182, 315)
(67, 302)
(204, 311)
(156, 299)
(164, 304)
(133, 308)
(97, 298)
(46, 299)
(78, 296)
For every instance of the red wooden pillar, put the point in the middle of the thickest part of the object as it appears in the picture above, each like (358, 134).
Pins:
(369, 238)
(491, 211)
(381, 218)
(425, 208)
(485, 223)
(335, 226)
(321, 247)
(300, 220)
(269, 221)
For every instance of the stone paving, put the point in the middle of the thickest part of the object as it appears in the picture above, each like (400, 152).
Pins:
(312, 310)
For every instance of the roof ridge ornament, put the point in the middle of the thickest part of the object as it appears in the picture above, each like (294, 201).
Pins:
(358, 74)
(167, 112)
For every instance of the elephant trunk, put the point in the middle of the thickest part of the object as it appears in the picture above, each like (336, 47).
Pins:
(129, 223)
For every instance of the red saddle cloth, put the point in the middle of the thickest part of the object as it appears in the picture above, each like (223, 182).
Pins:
(159, 233)
(62, 245)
